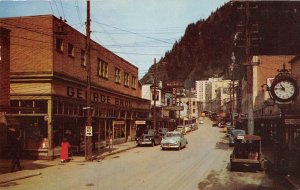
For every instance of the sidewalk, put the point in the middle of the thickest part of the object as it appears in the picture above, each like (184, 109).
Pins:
(34, 167)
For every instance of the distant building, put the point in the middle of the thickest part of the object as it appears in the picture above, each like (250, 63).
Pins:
(201, 93)
(217, 93)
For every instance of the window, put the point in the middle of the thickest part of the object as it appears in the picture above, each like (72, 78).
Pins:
(83, 58)
(133, 82)
(126, 79)
(70, 50)
(117, 76)
(102, 69)
(59, 45)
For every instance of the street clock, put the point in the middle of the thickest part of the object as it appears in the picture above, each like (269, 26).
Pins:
(284, 88)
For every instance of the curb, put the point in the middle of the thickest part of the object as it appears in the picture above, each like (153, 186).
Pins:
(112, 153)
(20, 177)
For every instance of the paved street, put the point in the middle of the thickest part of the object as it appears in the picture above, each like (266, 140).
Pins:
(202, 165)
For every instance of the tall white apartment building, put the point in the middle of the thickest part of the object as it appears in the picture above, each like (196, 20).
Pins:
(200, 91)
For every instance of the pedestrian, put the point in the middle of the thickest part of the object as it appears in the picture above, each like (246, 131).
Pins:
(64, 151)
(16, 152)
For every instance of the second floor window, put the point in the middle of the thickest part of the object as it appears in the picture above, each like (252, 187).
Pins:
(117, 76)
(83, 58)
(133, 82)
(59, 45)
(126, 79)
(70, 50)
(102, 68)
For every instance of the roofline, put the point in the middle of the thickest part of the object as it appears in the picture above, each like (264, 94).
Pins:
(51, 15)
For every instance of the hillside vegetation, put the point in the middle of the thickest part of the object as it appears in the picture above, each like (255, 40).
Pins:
(206, 47)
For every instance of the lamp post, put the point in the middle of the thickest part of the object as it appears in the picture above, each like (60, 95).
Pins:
(232, 79)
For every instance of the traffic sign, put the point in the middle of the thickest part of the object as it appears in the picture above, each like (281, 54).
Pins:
(88, 131)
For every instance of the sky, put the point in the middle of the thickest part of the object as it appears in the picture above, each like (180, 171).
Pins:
(137, 30)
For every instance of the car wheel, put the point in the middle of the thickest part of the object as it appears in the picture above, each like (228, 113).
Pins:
(179, 147)
(162, 148)
(153, 143)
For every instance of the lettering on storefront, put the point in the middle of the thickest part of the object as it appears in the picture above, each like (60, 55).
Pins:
(97, 97)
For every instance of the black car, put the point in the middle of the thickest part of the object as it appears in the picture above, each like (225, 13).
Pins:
(149, 137)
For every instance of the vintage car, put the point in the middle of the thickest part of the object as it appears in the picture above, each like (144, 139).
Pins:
(233, 134)
(149, 137)
(247, 151)
(174, 140)
(182, 129)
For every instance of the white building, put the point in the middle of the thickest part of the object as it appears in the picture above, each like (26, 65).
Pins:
(200, 92)
(217, 86)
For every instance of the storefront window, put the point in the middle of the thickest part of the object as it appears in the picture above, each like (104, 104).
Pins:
(41, 106)
(27, 106)
(35, 133)
(119, 131)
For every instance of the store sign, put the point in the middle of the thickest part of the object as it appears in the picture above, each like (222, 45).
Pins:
(292, 121)
(174, 108)
(175, 84)
(88, 131)
(269, 81)
(140, 122)
(119, 122)
(174, 96)
(97, 97)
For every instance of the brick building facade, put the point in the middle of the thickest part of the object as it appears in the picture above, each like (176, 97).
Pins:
(48, 74)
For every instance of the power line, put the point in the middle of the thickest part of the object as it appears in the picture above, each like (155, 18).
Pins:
(156, 39)
(57, 8)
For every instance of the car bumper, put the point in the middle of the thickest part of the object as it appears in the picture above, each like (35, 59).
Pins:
(170, 146)
(144, 142)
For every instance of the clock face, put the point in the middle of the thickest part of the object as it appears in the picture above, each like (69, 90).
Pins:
(284, 90)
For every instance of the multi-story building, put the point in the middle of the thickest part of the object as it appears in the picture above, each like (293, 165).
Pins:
(217, 90)
(48, 76)
(200, 93)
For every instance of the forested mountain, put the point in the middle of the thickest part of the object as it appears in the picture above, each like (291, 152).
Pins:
(206, 47)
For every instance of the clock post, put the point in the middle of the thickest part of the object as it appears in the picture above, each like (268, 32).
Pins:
(284, 91)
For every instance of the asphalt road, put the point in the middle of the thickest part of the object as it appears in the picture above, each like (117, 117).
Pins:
(203, 164)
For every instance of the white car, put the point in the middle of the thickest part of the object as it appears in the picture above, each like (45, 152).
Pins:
(201, 121)
(173, 139)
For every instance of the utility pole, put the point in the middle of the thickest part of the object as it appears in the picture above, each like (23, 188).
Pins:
(88, 139)
(249, 72)
(154, 99)
(249, 66)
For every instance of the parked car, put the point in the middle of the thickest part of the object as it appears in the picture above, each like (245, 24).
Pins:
(163, 131)
(233, 134)
(188, 128)
(194, 126)
(229, 129)
(181, 128)
(173, 139)
(201, 121)
(149, 137)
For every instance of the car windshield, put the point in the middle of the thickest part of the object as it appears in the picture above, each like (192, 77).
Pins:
(148, 132)
(238, 132)
(173, 135)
